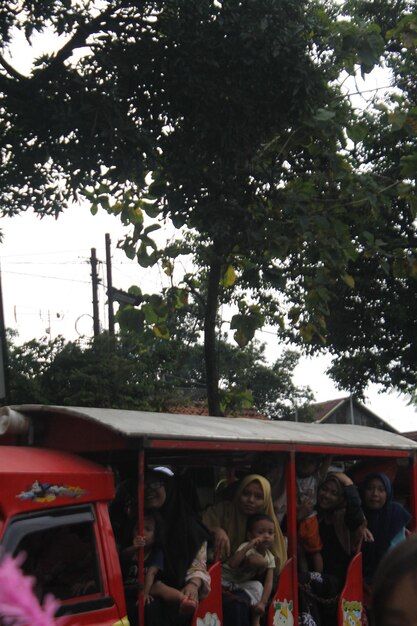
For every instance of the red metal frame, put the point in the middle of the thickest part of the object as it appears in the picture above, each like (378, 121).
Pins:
(292, 527)
(170, 444)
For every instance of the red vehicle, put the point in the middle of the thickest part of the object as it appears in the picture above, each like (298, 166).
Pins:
(56, 486)
(54, 507)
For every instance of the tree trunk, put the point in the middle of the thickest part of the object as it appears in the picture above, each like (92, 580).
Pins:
(210, 353)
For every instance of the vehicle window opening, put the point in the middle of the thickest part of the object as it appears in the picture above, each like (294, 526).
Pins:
(63, 561)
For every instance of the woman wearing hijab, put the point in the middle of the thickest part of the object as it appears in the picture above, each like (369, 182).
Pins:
(386, 521)
(184, 549)
(227, 521)
(341, 526)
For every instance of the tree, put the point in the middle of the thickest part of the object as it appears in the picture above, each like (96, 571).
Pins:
(153, 375)
(372, 329)
(235, 112)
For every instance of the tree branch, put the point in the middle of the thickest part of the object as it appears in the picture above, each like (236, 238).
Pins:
(10, 70)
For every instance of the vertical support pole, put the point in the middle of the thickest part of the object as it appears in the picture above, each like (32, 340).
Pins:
(109, 285)
(141, 508)
(94, 278)
(292, 527)
(413, 490)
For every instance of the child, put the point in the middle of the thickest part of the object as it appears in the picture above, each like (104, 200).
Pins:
(153, 564)
(252, 560)
(395, 587)
(310, 471)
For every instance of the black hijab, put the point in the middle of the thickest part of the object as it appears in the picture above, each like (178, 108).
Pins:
(384, 524)
(183, 532)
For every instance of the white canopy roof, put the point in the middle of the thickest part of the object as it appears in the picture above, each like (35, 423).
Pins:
(227, 429)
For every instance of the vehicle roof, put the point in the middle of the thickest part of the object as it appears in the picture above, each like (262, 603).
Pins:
(168, 426)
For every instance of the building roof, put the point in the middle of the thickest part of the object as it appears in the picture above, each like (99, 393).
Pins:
(202, 409)
(323, 410)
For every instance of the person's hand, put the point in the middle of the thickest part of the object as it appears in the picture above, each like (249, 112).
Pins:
(367, 535)
(259, 609)
(343, 478)
(253, 542)
(139, 542)
(305, 509)
(148, 598)
(191, 591)
(221, 543)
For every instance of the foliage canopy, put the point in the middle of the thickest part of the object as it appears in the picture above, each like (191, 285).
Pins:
(150, 375)
(229, 119)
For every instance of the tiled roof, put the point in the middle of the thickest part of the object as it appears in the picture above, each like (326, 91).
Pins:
(199, 409)
(412, 434)
(321, 409)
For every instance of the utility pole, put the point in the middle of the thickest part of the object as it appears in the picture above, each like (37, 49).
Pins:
(95, 281)
(109, 285)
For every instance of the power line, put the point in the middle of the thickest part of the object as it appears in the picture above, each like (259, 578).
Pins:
(71, 280)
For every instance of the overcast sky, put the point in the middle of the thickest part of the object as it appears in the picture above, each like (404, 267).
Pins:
(47, 290)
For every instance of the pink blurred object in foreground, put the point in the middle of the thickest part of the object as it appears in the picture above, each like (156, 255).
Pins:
(18, 603)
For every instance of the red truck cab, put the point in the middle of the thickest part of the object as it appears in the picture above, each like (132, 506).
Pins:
(54, 508)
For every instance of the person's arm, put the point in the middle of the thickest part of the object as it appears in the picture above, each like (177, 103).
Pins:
(354, 515)
(324, 467)
(213, 518)
(239, 556)
(129, 551)
(269, 576)
(197, 578)
(149, 581)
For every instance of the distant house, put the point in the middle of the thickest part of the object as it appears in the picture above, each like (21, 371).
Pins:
(201, 409)
(412, 434)
(347, 410)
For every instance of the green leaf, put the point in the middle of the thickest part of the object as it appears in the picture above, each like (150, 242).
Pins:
(241, 338)
(128, 249)
(130, 318)
(409, 166)
(323, 115)
(168, 267)
(161, 330)
(349, 280)
(151, 228)
(397, 119)
(357, 132)
(229, 277)
(151, 316)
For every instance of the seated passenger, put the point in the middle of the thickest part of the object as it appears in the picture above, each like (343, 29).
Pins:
(310, 470)
(252, 560)
(151, 542)
(185, 552)
(341, 525)
(272, 467)
(386, 521)
(227, 520)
